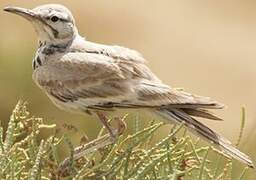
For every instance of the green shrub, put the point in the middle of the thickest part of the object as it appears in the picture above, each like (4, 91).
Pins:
(24, 155)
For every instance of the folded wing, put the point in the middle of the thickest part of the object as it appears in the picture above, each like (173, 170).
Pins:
(98, 79)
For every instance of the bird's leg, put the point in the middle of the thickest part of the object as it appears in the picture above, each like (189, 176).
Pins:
(104, 121)
(121, 125)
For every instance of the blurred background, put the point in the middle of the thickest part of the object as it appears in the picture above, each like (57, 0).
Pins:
(207, 47)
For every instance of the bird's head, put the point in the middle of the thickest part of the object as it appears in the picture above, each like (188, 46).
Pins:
(53, 23)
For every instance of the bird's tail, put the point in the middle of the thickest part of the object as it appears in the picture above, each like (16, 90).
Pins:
(179, 116)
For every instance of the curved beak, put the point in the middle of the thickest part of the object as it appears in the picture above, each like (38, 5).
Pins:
(37, 21)
(26, 13)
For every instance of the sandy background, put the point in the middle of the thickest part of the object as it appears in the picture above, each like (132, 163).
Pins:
(207, 47)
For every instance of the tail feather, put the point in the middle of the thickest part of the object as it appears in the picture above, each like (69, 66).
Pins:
(201, 113)
(179, 115)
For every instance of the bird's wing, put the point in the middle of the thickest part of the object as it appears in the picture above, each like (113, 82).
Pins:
(103, 80)
(158, 94)
(116, 52)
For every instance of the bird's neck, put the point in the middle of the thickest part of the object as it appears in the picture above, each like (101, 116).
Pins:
(50, 48)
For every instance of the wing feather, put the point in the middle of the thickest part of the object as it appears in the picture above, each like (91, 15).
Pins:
(110, 77)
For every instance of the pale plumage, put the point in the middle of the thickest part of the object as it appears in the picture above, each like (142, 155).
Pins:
(83, 76)
(101, 76)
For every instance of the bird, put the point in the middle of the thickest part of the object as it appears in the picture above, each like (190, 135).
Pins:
(86, 77)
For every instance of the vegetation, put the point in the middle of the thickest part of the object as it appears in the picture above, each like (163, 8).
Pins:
(24, 154)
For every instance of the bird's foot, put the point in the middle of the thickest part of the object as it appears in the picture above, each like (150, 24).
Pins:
(114, 132)
(119, 129)
(121, 125)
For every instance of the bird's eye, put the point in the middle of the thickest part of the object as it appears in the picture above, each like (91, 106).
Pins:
(54, 18)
